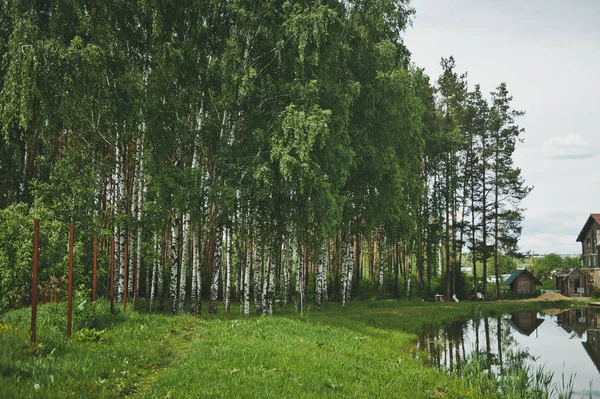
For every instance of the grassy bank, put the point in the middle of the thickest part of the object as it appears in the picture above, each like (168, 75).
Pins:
(362, 350)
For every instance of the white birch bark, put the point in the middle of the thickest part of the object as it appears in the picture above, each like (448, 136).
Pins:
(227, 291)
(265, 283)
(239, 237)
(121, 210)
(217, 263)
(155, 266)
(350, 269)
(196, 289)
(246, 266)
(271, 288)
(289, 266)
(185, 256)
(319, 281)
(196, 272)
(160, 278)
(299, 277)
(140, 200)
(284, 270)
(115, 205)
(380, 243)
(174, 263)
(325, 258)
(134, 216)
(344, 273)
(257, 265)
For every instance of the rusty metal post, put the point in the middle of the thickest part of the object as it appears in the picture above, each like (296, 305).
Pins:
(112, 277)
(34, 279)
(70, 293)
(125, 272)
(94, 268)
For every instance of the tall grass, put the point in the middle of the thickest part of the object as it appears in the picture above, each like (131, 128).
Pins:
(362, 350)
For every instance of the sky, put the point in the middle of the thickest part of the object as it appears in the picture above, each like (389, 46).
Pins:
(548, 53)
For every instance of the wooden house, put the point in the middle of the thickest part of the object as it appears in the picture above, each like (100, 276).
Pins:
(573, 282)
(589, 237)
(522, 282)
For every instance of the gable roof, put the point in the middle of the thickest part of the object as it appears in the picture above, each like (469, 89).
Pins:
(593, 217)
(564, 276)
(516, 274)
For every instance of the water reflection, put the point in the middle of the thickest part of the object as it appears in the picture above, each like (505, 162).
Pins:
(564, 342)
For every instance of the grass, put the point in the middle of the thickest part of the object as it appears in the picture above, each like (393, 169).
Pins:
(363, 350)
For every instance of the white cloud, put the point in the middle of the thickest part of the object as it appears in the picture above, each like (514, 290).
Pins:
(571, 146)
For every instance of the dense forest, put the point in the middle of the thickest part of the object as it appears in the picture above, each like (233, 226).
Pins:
(262, 152)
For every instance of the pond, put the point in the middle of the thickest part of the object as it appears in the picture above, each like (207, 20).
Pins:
(565, 343)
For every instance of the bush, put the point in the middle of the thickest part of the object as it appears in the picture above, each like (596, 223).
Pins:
(16, 255)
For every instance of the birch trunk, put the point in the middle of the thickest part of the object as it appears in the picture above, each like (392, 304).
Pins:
(134, 216)
(319, 281)
(196, 273)
(299, 277)
(217, 263)
(140, 200)
(174, 263)
(344, 273)
(160, 278)
(155, 266)
(185, 256)
(351, 262)
(267, 306)
(325, 258)
(265, 282)
(257, 265)
(227, 290)
(246, 291)
(289, 265)
(121, 210)
(240, 237)
(380, 261)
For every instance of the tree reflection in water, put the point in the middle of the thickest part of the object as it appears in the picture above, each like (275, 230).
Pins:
(525, 360)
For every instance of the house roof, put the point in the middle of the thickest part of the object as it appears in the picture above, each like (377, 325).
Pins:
(593, 217)
(516, 274)
(564, 276)
(525, 329)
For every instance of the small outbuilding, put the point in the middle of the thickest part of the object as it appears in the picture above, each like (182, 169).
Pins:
(522, 282)
(573, 282)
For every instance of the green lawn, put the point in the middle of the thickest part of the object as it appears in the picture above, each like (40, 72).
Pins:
(363, 350)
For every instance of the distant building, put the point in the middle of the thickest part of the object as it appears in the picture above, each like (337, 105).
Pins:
(522, 282)
(589, 238)
(573, 282)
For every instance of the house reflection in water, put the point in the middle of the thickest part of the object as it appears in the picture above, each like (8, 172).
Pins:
(525, 322)
(575, 320)
(499, 337)
(592, 344)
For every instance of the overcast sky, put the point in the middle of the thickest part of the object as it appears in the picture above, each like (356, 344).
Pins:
(548, 53)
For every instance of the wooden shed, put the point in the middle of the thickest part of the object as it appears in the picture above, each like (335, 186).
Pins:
(522, 282)
(573, 282)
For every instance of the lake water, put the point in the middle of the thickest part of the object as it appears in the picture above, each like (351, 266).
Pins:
(565, 342)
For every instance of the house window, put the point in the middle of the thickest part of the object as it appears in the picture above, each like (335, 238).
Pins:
(587, 243)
